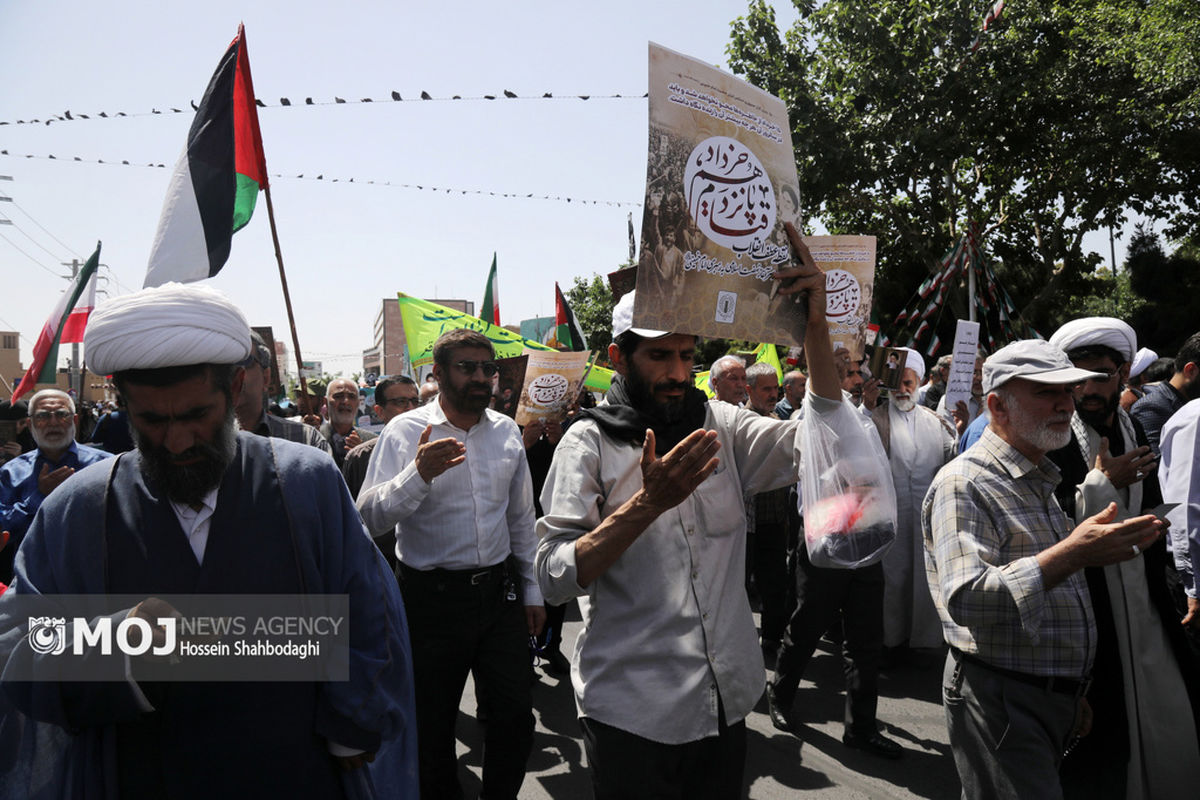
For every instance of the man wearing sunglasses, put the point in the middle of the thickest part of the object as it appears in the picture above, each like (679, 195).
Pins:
(28, 479)
(394, 395)
(452, 480)
(250, 406)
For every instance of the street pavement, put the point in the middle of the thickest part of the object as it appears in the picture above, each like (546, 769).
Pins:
(778, 765)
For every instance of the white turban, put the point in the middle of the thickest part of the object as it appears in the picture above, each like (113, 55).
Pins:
(172, 325)
(914, 361)
(1144, 358)
(1105, 331)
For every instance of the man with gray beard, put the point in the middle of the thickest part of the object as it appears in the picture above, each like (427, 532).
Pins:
(1006, 573)
(918, 443)
(343, 435)
(27, 480)
(199, 508)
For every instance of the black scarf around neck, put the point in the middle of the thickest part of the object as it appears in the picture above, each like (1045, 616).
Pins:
(625, 422)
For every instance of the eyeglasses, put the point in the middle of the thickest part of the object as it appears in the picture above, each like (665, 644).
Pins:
(58, 415)
(411, 402)
(468, 367)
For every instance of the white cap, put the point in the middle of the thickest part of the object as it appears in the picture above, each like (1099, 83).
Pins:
(1034, 360)
(622, 320)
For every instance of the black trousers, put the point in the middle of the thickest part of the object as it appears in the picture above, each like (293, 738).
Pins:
(769, 552)
(626, 766)
(460, 622)
(820, 595)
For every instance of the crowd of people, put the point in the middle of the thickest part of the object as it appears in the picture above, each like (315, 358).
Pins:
(1027, 561)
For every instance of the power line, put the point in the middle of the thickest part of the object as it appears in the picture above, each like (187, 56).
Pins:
(21, 230)
(31, 258)
(47, 232)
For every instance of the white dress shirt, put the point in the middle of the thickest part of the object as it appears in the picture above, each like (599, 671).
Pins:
(667, 629)
(472, 515)
(1179, 476)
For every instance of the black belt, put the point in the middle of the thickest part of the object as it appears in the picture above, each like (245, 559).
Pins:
(1049, 683)
(467, 577)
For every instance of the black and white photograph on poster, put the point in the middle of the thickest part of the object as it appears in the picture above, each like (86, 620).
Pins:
(887, 364)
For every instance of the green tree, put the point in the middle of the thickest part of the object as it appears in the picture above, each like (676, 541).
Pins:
(593, 303)
(1068, 117)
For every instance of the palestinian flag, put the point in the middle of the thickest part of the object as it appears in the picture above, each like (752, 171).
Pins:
(566, 328)
(45, 350)
(490, 310)
(216, 182)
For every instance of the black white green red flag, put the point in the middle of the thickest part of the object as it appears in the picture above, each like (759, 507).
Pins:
(567, 333)
(216, 182)
(45, 349)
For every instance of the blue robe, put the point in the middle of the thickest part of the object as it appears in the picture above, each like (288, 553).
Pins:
(284, 523)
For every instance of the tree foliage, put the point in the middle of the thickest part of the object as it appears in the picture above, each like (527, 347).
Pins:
(1170, 285)
(1070, 116)
(593, 302)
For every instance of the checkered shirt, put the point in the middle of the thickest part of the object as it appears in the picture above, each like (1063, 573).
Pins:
(986, 517)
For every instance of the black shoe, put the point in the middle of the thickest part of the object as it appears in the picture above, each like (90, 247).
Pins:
(556, 663)
(779, 712)
(876, 744)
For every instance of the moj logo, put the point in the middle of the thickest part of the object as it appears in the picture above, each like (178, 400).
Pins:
(48, 636)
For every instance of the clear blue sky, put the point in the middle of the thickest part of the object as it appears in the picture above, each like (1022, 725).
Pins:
(345, 245)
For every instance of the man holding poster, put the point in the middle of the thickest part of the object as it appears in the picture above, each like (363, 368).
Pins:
(645, 524)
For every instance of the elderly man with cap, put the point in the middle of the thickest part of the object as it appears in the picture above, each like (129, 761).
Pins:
(1144, 740)
(1006, 571)
(251, 403)
(918, 443)
(645, 524)
(27, 480)
(199, 508)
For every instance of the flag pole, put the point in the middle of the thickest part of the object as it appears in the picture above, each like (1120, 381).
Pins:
(287, 301)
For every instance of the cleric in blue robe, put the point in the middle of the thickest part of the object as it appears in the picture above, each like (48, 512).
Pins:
(199, 508)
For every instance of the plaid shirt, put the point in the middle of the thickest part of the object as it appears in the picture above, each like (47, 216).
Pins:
(986, 517)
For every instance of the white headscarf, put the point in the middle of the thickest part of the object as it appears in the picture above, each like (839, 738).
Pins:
(172, 325)
(1106, 331)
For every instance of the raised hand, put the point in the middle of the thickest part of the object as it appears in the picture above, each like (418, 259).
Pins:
(1127, 469)
(668, 481)
(434, 458)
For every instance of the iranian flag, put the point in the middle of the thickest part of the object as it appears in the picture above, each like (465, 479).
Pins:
(217, 180)
(567, 332)
(45, 350)
(490, 310)
(76, 322)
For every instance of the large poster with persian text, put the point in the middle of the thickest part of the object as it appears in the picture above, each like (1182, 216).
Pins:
(720, 183)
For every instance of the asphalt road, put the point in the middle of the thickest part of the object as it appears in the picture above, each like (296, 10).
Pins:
(778, 765)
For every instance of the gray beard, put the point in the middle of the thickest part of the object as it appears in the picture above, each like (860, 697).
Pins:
(904, 402)
(188, 483)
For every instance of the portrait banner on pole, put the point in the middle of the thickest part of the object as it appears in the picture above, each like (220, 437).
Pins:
(720, 183)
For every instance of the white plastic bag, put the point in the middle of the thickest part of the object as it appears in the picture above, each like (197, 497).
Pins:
(846, 485)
